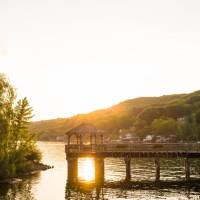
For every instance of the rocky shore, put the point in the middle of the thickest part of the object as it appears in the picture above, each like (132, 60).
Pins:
(37, 167)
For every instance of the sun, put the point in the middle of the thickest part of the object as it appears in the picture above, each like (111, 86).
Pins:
(86, 169)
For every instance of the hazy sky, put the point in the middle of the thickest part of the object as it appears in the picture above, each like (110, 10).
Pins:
(74, 56)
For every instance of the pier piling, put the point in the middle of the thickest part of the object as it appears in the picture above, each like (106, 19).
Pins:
(187, 169)
(72, 164)
(128, 168)
(157, 165)
(99, 171)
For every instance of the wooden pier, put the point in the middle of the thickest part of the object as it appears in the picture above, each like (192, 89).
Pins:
(100, 151)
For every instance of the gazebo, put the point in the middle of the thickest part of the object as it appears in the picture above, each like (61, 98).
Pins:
(86, 137)
(85, 134)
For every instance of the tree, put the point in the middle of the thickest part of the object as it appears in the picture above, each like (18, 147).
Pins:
(149, 114)
(16, 144)
(193, 99)
(197, 116)
(164, 127)
(178, 110)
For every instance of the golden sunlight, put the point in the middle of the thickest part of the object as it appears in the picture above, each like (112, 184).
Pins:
(86, 169)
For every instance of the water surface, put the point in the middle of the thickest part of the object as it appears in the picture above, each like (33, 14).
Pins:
(52, 184)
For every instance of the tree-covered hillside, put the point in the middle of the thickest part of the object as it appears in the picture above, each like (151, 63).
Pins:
(169, 114)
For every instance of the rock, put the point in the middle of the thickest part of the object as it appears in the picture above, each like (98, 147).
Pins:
(15, 180)
(11, 181)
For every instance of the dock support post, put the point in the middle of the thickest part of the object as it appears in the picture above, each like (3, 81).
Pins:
(157, 164)
(187, 169)
(72, 166)
(128, 169)
(99, 171)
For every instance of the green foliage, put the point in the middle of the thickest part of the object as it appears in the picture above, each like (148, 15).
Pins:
(34, 155)
(15, 141)
(149, 114)
(177, 110)
(164, 127)
(197, 117)
(193, 99)
(189, 129)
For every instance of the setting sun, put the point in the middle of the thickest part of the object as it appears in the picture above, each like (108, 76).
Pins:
(86, 169)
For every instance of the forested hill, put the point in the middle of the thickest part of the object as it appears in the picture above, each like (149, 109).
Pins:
(144, 115)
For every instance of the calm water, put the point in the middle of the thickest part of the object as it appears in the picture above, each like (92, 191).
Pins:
(52, 184)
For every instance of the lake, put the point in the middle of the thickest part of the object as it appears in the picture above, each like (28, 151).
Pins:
(52, 184)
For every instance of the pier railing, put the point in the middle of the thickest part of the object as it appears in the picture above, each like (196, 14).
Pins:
(137, 147)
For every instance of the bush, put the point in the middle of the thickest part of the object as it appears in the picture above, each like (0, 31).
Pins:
(34, 156)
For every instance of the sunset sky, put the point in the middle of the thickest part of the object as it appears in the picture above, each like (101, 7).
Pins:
(76, 56)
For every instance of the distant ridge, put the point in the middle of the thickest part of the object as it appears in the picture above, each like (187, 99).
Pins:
(119, 116)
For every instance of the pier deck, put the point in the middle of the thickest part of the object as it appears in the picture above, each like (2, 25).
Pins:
(128, 151)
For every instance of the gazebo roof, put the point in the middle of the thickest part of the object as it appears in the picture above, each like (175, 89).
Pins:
(85, 128)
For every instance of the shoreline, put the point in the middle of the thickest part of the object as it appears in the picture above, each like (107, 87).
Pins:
(37, 167)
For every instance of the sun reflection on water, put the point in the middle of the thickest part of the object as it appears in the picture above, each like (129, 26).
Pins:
(86, 169)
